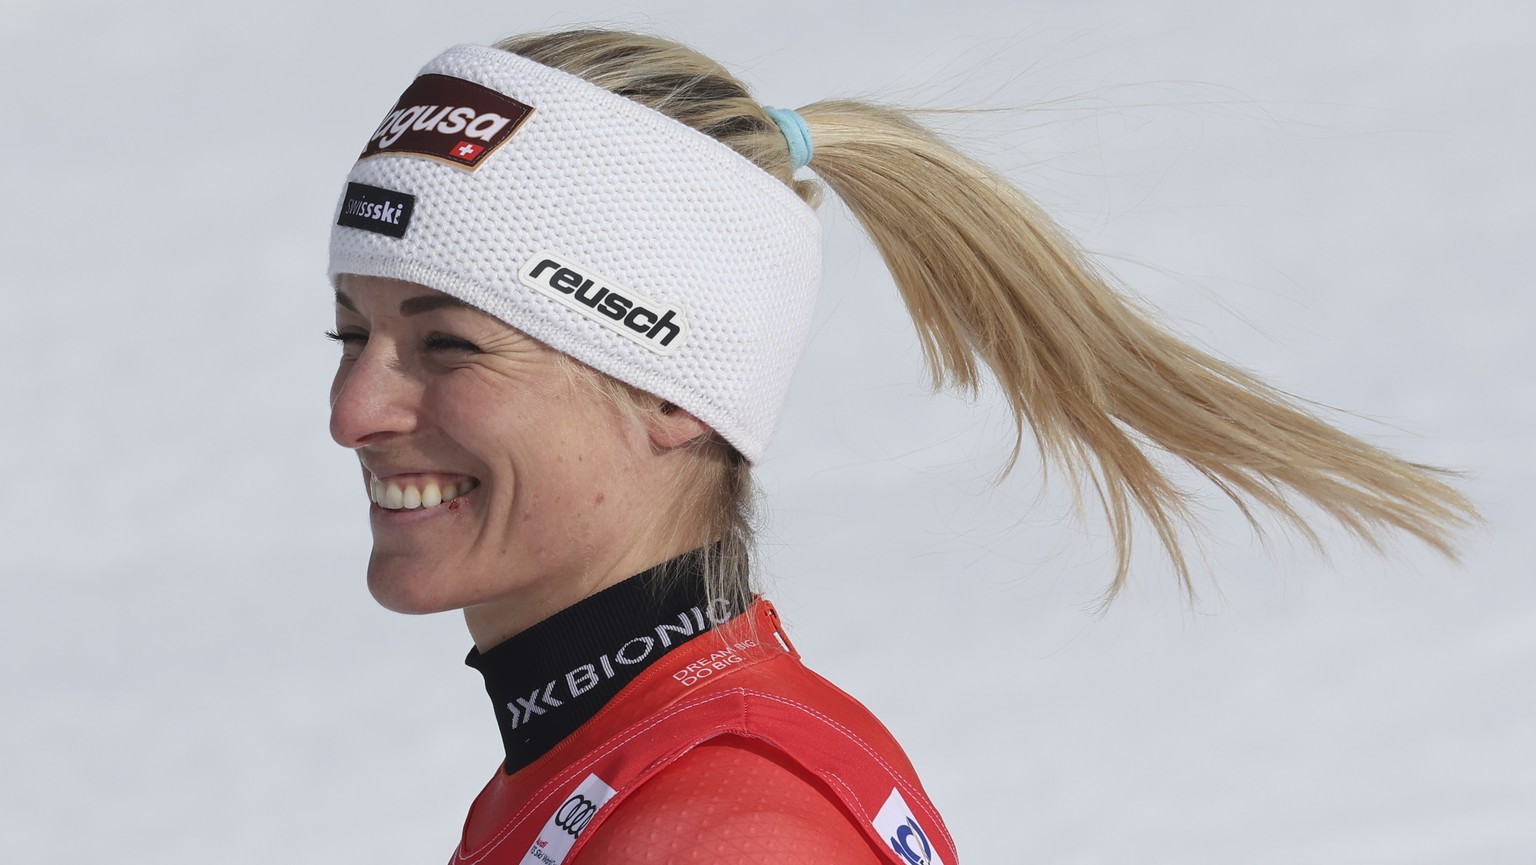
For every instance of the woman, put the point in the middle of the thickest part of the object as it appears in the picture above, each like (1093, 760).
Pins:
(573, 275)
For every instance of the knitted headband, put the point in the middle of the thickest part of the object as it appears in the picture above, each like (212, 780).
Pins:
(606, 230)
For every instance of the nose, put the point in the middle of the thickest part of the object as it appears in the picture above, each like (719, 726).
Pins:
(372, 398)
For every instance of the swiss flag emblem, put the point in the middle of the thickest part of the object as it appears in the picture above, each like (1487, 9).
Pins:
(466, 151)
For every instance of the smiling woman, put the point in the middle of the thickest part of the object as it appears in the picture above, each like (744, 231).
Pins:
(573, 275)
(501, 485)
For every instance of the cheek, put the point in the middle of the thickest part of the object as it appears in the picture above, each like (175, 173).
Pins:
(495, 439)
(560, 476)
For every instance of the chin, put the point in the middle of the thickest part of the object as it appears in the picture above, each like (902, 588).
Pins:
(403, 588)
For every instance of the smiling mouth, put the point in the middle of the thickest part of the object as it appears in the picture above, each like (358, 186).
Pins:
(396, 494)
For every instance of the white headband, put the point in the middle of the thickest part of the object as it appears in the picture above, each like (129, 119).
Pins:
(607, 230)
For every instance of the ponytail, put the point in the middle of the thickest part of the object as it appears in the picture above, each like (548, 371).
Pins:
(991, 281)
(993, 285)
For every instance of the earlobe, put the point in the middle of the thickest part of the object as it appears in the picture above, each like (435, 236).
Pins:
(672, 427)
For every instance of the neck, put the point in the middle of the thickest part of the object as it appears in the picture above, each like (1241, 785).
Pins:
(554, 676)
(498, 620)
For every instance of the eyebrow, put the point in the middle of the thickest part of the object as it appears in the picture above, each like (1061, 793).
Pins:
(411, 305)
(429, 302)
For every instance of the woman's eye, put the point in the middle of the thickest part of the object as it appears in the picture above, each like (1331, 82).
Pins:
(346, 337)
(444, 342)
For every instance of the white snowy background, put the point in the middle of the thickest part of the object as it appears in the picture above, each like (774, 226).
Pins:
(1337, 195)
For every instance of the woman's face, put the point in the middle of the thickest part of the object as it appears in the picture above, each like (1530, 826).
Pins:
(496, 476)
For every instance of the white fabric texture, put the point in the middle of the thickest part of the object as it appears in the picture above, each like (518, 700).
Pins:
(626, 192)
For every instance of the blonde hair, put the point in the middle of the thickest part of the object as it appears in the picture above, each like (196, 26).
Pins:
(991, 282)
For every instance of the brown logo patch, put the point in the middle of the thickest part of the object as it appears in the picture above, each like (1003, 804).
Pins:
(448, 119)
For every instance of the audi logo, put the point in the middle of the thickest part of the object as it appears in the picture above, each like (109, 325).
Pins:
(575, 814)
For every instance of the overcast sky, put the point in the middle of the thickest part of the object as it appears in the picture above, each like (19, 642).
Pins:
(1336, 195)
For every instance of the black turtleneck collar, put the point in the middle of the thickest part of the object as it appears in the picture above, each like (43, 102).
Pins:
(550, 679)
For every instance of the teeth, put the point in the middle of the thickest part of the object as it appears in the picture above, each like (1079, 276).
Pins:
(392, 496)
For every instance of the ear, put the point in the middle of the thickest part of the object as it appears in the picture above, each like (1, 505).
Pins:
(670, 427)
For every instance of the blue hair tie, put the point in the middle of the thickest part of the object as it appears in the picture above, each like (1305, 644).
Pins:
(796, 133)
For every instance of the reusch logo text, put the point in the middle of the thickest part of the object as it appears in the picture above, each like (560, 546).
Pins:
(660, 327)
(449, 119)
(383, 211)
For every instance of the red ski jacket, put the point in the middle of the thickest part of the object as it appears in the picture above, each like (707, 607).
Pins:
(741, 685)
